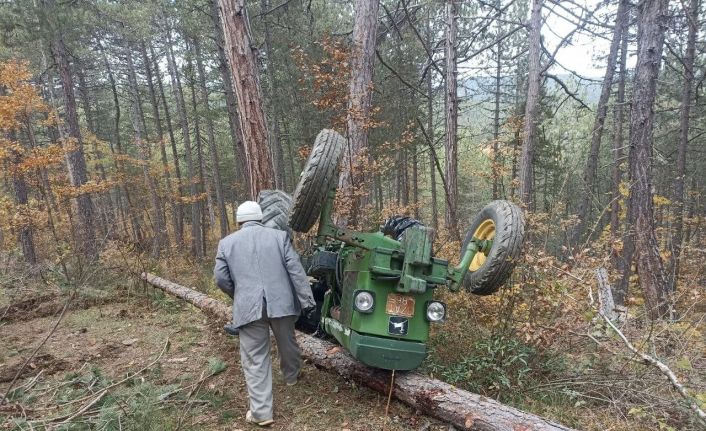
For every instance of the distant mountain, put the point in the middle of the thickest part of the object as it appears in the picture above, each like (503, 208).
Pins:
(481, 87)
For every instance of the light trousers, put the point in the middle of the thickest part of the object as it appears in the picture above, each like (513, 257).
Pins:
(256, 360)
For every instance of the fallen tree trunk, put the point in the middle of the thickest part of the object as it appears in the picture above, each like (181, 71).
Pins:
(432, 397)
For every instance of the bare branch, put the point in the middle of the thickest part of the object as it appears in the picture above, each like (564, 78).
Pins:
(566, 90)
(430, 55)
(402, 80)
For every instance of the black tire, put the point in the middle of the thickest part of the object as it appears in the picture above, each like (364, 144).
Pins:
(396, 226)
(507, 244)
(319, 175)
(275, 205)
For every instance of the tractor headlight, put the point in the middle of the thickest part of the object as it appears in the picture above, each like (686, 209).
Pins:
(364, 301)
(436, 311)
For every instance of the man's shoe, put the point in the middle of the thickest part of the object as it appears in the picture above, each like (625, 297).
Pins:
(263, 423)
(296, 379)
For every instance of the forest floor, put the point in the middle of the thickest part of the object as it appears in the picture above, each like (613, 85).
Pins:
(126, 356)
(195, 383)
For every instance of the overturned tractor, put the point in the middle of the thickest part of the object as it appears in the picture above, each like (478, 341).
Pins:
(375, 290)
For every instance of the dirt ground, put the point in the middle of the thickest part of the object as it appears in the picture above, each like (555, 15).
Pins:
(102, 369)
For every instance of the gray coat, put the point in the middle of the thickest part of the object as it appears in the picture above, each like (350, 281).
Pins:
(258, 262)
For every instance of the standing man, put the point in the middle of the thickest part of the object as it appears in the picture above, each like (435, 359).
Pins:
(258, 267)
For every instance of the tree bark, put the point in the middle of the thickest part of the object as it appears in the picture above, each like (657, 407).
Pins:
(622, 262)
(75, 160)
(137, 117)
(360, 97)
(686, 101)
(462, 409)
(275, 143)
(653, 281)
(415, 179)
(213, 152)
(451, 103)
(526, 174)
(196, 233)
(243, 67)
(430, 132)
(589, 173)
(239, 166)
(495, 162)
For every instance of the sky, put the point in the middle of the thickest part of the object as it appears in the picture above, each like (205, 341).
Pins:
(586, 55)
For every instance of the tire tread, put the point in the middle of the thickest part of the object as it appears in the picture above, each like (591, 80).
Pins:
(507, 245)
(316, 179)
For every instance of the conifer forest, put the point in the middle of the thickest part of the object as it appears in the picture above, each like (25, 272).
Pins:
(131, 131)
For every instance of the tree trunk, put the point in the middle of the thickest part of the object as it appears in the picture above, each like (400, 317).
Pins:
(526, 175)
(137, 117)
(430, 132)
(116, 146)
(687, 91)
(239, 167)
(44, 185)
(415, 179)
(25, 236)
(213, 152)
(203, 186)
(495, 161)
(451, 103)
(275, 144)
(360, 97)
(178, 207)
(462, 409)
(622, 263)
(589, 173)
(160, 138)
(243, 66)
(196, 233)
(105, 202)
(75, 160)
(652, 24)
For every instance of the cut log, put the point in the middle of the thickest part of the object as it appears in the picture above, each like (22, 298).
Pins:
(463, 409)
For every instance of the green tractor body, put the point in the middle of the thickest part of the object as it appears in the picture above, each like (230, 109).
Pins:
(399, 276)
(375, 293)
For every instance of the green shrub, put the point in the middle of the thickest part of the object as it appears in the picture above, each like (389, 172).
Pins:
(493, 365)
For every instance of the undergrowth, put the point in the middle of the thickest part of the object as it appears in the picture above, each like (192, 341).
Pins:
(142, 402)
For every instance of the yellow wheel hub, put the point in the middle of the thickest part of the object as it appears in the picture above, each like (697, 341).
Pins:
(485, 232)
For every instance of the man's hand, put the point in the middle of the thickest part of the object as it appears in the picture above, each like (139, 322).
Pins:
(231, 330)
(309, 312)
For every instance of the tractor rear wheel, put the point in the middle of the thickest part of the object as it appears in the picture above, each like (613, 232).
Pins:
(275, 205)
(502, 222)
(319, 175)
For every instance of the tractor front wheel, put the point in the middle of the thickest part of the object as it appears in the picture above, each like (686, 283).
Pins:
(502, 223)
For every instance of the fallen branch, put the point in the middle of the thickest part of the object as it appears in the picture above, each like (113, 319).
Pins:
(602, 278)
(693, 405)
(85, 408)
(69, 417)
(464, 410)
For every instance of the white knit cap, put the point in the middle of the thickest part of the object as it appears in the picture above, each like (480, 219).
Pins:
(248, 211)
